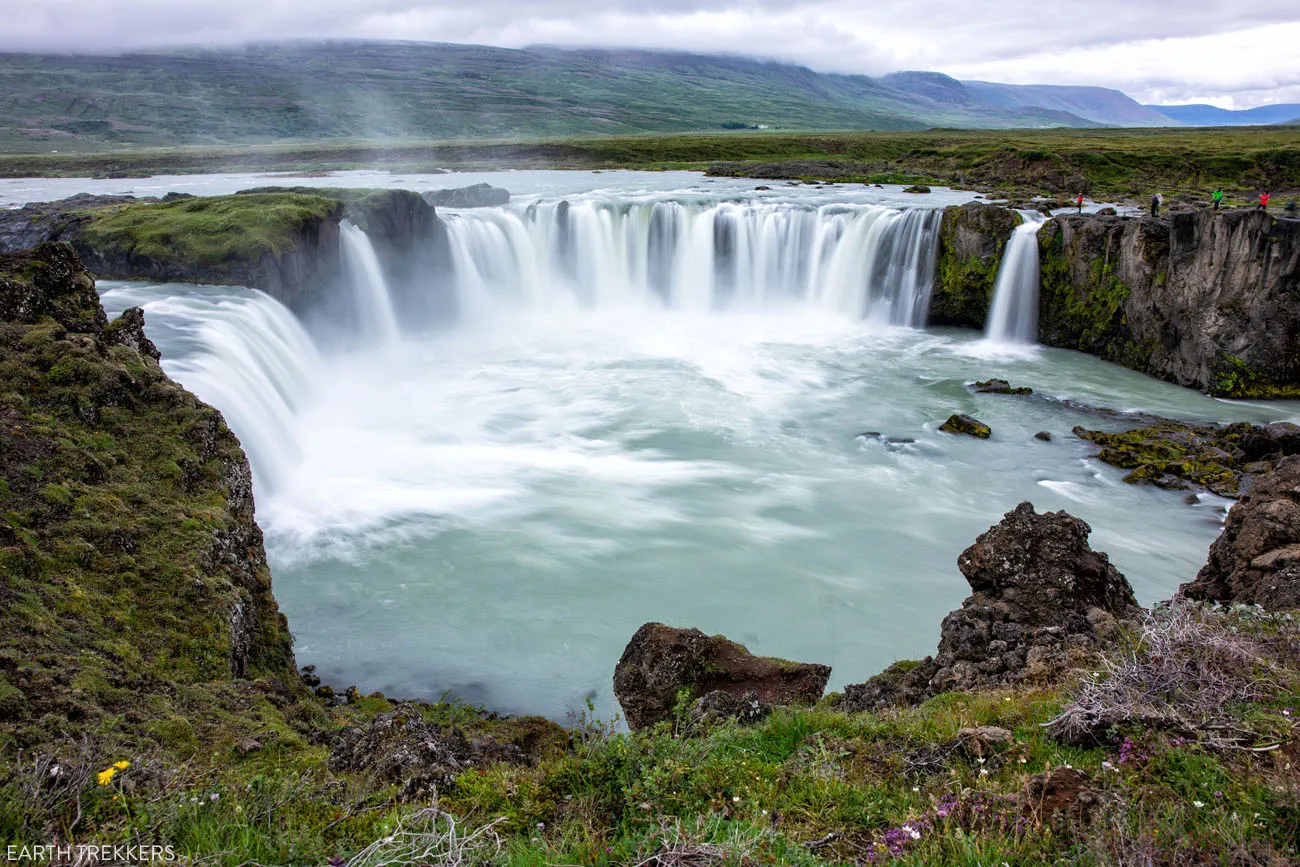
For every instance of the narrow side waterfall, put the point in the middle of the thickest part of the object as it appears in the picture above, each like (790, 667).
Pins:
(1013, 316)
(856, 260)
(371, 299)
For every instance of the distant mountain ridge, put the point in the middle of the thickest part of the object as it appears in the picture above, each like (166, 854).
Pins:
(405, 90)
(1209, 115)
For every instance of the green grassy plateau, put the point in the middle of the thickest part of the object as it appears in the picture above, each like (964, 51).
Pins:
(1099, 162)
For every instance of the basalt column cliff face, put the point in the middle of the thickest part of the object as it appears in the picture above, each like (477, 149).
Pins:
(1207, 300)
(134, 590)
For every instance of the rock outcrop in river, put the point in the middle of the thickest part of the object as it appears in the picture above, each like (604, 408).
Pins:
(1042, 599)
(971, 240)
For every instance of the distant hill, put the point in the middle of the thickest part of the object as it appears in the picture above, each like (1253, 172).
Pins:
(403, 90)
(1209, 115)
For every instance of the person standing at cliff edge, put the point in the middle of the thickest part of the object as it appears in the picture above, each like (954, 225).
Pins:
(1155, 204)
(1263, 201)
(1079, 202)
(1218, 199)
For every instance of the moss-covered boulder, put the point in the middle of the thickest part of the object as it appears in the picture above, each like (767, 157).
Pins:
(1177, 455)
(999, 386)
(960, 423)
(135, 598)
(971, 240)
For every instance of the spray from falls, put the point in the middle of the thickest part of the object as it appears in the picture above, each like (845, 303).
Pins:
(1013, 316)
(855, 260)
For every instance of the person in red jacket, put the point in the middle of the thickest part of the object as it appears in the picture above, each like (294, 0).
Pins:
(1263, 201)
(1079, 202)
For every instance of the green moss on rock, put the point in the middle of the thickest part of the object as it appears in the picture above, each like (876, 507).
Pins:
(960, 423)
(213, 233)
(132, 564)
(972, 238)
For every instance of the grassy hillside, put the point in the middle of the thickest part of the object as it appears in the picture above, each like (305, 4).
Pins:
(1106, 162)
(375, 90)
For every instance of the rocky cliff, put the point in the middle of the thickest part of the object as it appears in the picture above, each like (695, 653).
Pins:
(1207, 300)
(283, 241)
(971, 240)
(135, 591)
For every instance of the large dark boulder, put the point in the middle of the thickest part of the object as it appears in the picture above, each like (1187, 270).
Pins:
(661, 661)
(1256, 560)
(1041, 597)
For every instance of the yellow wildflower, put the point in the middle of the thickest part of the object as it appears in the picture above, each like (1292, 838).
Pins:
(122, 766)
(106, 776)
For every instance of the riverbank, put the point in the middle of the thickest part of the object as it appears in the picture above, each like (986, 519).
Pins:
(1105, 163)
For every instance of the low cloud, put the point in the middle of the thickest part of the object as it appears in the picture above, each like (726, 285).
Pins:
(1229, 53)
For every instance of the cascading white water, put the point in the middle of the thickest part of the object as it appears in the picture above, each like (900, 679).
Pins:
(371, 299)
(246, 354)
(627, 450)
(1013, 316)
(856, 260)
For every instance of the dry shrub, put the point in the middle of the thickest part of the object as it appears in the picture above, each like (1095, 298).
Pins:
(1189, 672)
(431, 836)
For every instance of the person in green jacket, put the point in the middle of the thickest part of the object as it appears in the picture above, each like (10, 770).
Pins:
(1218, 199)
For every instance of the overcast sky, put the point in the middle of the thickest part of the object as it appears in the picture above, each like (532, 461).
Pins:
(1231, 53)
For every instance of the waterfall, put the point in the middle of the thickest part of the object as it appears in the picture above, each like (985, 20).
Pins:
(246, 353)
(1013, 317)
(372, 301)
(855, 260)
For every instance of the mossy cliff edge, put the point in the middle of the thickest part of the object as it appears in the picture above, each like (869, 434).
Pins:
(281, 240)
(1208, 300)
(136, 595)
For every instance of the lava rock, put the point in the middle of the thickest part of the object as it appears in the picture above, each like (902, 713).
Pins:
(721, 705)
(960, 423)
(660, 661)
(1044, 436)
(475, 196)
(1042, 598)
(917, 188)
(128, 330)
(1256, 560)
(889, 442)
(998, 386)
